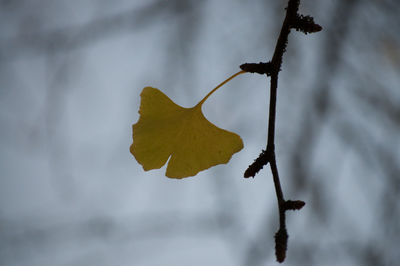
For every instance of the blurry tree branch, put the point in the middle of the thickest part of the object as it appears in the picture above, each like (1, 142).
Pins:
(68, 38)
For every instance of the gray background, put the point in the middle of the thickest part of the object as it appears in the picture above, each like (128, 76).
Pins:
(71, 73)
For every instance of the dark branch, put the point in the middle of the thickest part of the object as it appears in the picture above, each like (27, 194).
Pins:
(300, 23)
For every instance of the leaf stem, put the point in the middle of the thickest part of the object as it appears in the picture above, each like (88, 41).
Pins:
(220, 85)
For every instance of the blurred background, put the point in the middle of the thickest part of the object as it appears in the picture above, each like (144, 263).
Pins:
(71, 73)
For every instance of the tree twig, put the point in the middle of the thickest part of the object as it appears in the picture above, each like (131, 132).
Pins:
(306, 25)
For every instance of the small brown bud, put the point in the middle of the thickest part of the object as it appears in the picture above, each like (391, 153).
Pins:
(294, 204)
(260, 68)
(305, 24)
(281, 238)
(257, 165)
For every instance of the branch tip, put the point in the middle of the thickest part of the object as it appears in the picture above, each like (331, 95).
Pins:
(305, 24)
(281, 239)
(260, 68)
(258, 164)
(293, 205)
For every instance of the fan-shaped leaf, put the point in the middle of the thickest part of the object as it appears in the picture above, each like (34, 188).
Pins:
(167, 130)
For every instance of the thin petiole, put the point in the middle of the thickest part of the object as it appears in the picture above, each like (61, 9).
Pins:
(220, 85)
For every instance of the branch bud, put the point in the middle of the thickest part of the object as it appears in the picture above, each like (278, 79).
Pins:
(257, 165)
(294, 205)
(281, 238)
(305, 24)
(260, 68)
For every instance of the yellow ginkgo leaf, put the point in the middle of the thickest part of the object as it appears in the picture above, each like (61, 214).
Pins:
(167, 130)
